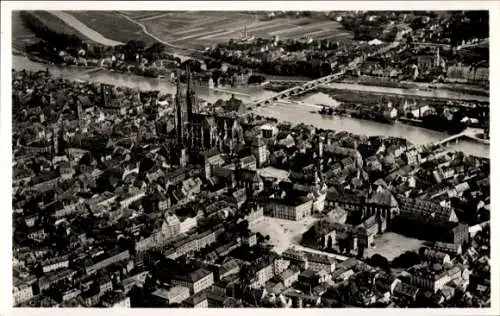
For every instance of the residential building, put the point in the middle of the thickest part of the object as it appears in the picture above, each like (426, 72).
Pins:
(55, 264)
(294, 210)
(450, 248)
(174, 295)
(22, 293)
(196, 281)
(198, 300)
(259, 150)
(436, 256)
(429, 278)
(319, 262)
(120, 256)
(264, 274)
(280, 265)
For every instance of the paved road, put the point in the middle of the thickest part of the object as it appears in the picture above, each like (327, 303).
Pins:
(84, 29)
(311, 250)
(145, 30)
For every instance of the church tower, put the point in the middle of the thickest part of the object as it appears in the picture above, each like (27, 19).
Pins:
(191, 100)
(106, 94)
(79, 111)
(437, 60)
(180, 125)
(58, 141)
(319, 150)
(55, 140)
(259, 150)
(179, 117)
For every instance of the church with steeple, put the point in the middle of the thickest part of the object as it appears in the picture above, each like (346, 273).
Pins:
(198, 132)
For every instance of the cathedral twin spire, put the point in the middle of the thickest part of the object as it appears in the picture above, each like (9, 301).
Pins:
(191, 106)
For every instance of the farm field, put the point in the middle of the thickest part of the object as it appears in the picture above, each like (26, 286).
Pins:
(22, 36)
(56, 24)
(112, 25)
(201, 29)
(194, 29)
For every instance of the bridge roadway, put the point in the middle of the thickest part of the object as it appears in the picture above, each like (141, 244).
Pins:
(425, 44)
(310, 85)
(467, 133)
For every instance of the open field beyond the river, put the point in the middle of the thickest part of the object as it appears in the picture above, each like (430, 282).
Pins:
(22, 36)
(200, 29)
(189, 29)
(112, 25)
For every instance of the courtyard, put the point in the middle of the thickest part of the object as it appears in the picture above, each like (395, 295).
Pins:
(272, 172)
(391, 245)
(282, 233)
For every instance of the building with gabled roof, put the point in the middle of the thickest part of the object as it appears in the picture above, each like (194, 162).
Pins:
(196, 281)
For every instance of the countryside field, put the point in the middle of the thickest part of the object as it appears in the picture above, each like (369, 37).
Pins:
(112, 25)
(22, 36)
(200, 29)
(188, 29)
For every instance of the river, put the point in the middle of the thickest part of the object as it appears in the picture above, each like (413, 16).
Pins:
(135, 81)
(435, 93)
(307, 112)
(283, 111)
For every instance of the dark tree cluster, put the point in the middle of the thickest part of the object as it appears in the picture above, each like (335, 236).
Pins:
(379, 261)
(406, 260)
(468, 25)
(58, 40)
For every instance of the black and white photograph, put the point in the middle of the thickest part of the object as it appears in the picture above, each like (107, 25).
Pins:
(249, 157)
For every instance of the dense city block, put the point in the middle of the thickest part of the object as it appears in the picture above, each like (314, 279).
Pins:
(127, 197)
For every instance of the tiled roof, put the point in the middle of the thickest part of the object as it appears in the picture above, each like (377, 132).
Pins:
(384, 198)
(195, 276)
(426, 210)
(406, 289)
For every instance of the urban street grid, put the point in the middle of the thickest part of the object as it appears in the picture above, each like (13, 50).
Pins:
(251, 159)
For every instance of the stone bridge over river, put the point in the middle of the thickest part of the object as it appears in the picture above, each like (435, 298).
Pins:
(310, 85)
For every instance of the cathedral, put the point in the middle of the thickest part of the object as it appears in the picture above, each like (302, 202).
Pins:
(197, 131)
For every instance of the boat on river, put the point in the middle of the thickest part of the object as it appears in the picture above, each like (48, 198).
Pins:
(326, 110)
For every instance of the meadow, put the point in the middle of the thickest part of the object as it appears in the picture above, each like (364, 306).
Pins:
(23, 36)
(197, 29)
(188, 29)
(112, 25)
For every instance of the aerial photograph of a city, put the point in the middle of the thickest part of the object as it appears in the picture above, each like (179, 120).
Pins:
(262, 159)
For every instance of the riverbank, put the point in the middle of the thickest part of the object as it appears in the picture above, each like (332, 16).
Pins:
(293, 112)
(424, 86)
(435, 94)
(248, 94)
(296, 113)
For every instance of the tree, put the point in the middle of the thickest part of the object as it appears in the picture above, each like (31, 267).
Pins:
(406, 260)
(155, 51)
(258, 79)
(361, 251)
(132, 48)
(379, 261)
(86, 159)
